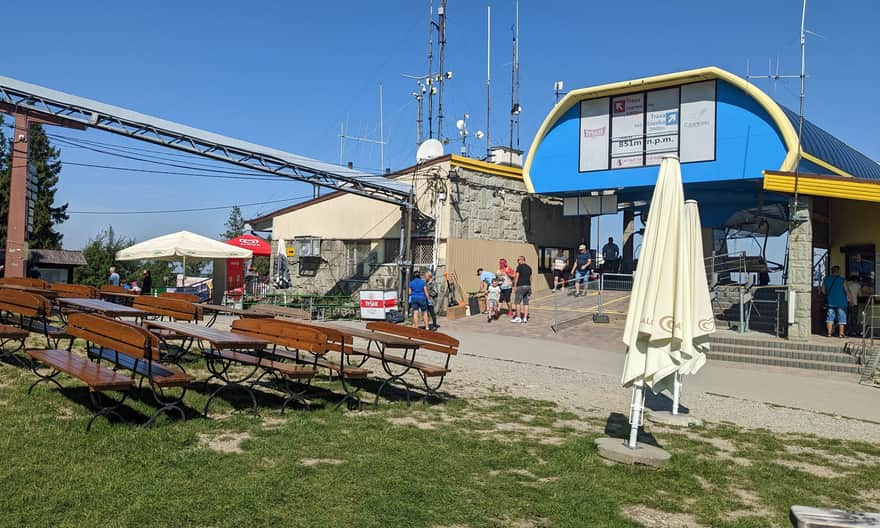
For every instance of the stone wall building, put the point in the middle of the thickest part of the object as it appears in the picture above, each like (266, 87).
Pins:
(477, 212)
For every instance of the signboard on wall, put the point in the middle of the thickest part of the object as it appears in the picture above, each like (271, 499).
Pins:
(636, 130)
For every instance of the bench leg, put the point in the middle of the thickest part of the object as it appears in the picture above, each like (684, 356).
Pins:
(11, 353)
(166, 403)
(352, 399)
(292, 395)
(105, 410)
(44, 378)
(221, 374)
(394, 378)
(432, 391)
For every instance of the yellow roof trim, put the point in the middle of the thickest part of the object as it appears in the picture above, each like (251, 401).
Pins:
(789, 134)
(488, 168)
(825, 165)
(812, 185)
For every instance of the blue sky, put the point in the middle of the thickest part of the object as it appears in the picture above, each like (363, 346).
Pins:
(286, 74)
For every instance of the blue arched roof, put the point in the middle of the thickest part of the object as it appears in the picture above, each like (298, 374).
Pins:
(833, 151)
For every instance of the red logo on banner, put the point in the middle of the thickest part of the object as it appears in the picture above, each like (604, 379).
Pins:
(620, 106)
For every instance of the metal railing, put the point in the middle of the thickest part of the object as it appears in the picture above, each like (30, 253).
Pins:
(869, 355)
(570, 310)
(778, 306)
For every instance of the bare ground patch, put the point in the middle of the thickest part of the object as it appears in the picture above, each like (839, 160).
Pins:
(651, 518)
(409, 421)
(309, 462)
(753, 505)
(812, 469)
(223, 441)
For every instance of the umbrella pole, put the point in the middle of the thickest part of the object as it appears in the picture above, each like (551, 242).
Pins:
(676, 392)
(636, 414)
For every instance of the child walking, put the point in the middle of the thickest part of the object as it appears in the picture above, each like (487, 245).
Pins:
(492, 297)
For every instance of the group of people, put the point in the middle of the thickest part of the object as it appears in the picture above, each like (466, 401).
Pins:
(842, 295)
(499, 286)
(145, 288)
(580, 269)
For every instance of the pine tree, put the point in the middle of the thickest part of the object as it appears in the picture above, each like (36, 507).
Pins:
(100, 254)
(46, 160)
(234, 225)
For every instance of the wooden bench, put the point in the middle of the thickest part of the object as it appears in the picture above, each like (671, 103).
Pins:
(807, 517)
(75, 291)
(281, 311)
(116, 294)
(133, 348)
(291, 338)
(298, 343)
(426, 340)
(33, 313)
(26, 282)
(174, 310)
(188, 297)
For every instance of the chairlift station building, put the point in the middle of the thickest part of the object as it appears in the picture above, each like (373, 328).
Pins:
(739, 158)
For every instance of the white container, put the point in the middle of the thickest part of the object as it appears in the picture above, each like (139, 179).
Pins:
(376, 303)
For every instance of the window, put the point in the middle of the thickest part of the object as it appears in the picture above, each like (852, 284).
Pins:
(423, 251)
(358, 259)
(392, 251)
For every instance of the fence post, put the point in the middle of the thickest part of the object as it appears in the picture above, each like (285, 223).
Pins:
(600, 317)
(742, 314)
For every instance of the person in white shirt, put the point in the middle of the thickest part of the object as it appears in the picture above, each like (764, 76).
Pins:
(559, 265)
(493, 294)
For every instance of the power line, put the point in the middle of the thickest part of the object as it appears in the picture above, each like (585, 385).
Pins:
(164, 211)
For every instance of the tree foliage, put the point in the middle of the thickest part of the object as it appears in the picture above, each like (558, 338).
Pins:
(46, 160)
(234, 224)
(100, 255)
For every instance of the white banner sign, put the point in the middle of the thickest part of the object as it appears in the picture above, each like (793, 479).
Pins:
(627, 130)
(661, 132)
(594, 135)
(698, 122)
(635, 130)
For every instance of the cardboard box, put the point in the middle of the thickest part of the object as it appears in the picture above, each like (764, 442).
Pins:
(456, 312)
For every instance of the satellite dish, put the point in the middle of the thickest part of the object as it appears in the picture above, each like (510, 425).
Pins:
(479, 134)
(459, 124)
(429, 149)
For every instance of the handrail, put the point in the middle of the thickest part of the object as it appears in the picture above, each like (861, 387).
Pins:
(869, 352)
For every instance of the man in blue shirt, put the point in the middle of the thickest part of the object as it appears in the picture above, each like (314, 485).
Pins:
(114, 277)
(418, 299)
(581, 269)
(837, 299)
(862, 267)
(486, 277)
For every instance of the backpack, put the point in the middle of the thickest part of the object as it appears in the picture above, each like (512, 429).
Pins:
(394, 316)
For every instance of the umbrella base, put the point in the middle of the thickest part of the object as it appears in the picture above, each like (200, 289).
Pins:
(674, 420)
(615, 449)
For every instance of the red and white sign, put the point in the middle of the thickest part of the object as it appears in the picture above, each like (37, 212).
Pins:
(376, 303)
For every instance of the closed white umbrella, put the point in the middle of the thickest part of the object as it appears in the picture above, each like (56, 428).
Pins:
(282, 270)
(697, 318)
(653, 330)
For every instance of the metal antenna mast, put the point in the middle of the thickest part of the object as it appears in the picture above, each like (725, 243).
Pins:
(429, 81)
(515, 108)
(441, 41)
(488, 77)
(381, 141)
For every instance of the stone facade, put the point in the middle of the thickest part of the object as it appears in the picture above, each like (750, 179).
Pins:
(486, 207)
(800, 255)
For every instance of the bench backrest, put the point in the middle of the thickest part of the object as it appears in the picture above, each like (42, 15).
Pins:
(25, 281)
(109, 288)
(75, 291)
(427, 339)
(24, 303)
(281, 311)
(188, 297)
(336, 340)
(112, 334)
(284, 333)
(174, 308)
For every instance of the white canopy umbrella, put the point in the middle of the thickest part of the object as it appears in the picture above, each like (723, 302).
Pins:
(181, 246)
(653, 332)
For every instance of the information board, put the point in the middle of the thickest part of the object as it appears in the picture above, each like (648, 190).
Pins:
(636, 130)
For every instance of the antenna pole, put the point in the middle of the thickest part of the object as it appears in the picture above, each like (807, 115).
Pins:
(516, 79)
(803, 93)
(512, 88)
(429, 80)
(341, 141)
(381, 134)
(488, 77)
(441, 41)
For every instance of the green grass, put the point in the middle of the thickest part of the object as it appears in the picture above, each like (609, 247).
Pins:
(497, 461)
